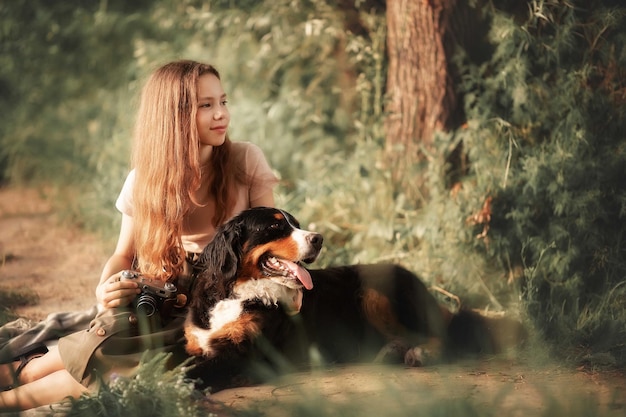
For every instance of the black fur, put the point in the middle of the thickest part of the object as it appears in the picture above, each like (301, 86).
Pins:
(332, 321)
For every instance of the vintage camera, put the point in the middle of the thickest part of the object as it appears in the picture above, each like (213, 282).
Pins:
(154, 293)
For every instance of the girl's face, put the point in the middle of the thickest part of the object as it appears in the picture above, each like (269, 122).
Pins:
(213, 116)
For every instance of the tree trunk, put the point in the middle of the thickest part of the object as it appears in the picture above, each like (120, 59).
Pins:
(419, 89)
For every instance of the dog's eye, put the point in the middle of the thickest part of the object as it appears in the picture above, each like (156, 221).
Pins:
(274, 226)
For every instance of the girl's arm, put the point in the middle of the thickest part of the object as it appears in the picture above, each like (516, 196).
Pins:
(111, 292)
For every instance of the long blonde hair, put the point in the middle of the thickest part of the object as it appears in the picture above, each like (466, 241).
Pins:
(167, 167)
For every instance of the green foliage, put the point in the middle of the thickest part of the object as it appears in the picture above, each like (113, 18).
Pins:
(52, 73)
(545, 138)
(155, 391)
(9, 299)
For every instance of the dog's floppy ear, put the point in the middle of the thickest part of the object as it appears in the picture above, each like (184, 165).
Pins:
(221, 256)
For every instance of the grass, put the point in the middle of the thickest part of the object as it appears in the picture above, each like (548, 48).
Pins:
(360, 391)
(9, 299)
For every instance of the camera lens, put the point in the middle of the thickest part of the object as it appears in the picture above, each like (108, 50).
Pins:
(146, 305)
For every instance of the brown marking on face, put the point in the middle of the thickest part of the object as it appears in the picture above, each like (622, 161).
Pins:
(192, 346)
(285, 248)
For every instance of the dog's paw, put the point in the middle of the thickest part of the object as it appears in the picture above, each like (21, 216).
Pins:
(392, 352)
(416, 357)
(422, 355)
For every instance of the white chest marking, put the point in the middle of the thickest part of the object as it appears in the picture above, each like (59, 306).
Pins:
(227, 311)
(224, 312)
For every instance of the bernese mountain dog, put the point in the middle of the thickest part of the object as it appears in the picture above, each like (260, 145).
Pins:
(256, 311)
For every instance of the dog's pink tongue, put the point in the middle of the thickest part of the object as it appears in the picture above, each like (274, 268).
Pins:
(302, 274)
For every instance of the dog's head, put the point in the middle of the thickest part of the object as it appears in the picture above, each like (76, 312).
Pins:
(252, 263)
(260, 244)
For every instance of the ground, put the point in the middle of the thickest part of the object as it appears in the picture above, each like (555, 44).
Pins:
(62, 265)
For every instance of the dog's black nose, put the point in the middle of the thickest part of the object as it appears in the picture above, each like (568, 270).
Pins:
(316, 240)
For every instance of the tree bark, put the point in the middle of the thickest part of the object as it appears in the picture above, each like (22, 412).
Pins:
(419, 88)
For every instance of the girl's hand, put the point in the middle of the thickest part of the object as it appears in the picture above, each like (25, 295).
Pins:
(113, 293)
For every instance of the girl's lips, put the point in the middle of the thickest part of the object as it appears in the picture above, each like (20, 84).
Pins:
(219, 128)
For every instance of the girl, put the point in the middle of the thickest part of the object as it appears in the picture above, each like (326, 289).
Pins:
(188, 178)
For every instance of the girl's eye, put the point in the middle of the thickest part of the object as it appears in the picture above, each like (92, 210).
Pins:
(205, 105)
(224, 102)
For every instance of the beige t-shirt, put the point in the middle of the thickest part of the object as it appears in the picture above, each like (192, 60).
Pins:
(198, 229)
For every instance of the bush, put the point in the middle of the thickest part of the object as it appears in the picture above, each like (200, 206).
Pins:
(545, 140)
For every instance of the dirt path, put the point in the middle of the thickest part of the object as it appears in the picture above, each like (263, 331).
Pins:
(62, 265)
(495, 387)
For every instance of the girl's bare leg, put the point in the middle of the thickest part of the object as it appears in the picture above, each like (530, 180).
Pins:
(45, 381)
(50, 389)
(35, 369)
